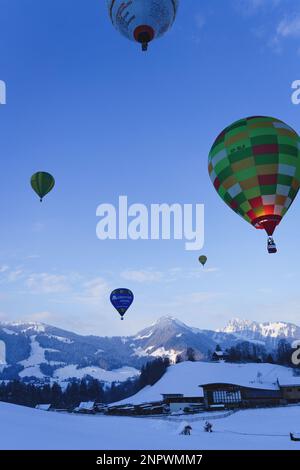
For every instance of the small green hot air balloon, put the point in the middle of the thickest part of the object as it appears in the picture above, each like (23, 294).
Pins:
(202, 260)
(42, 183)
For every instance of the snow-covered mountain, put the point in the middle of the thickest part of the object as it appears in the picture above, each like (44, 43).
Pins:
(268, 333)
(36, 351)
(170, 337)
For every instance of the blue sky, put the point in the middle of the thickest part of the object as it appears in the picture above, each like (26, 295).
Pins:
(85, 104)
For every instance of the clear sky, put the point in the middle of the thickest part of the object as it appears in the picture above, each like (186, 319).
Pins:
(105, 119)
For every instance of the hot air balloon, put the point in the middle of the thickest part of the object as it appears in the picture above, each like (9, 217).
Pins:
(143, 20)
(202, 260)
(42, 183)
(121, 300)
(254, 165)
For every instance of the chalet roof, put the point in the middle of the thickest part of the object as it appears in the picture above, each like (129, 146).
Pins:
(86, 405)
(172, 395)
(253, 385)
(293, 382)
(43, 407)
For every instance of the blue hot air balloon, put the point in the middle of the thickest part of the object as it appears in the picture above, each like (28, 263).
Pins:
(121, 300)
(143, 20)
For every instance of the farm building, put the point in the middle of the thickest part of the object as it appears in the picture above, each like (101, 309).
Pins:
(219, 356)
(86, 407)
(142, 409)
(248, 384)
(100, 407)
(179, 402)
(121, 410)
(44, 407)
(291, 390)
(238, 396)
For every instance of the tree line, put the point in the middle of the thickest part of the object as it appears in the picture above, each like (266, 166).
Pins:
(87, 389)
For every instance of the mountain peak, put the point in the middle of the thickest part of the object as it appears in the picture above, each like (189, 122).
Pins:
(168, 320)
(237, 324)
(251, 329)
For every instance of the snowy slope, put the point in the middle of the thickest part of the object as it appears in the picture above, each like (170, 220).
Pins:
(26, 429)
(2, 353)
(116, 375)
(186, 377)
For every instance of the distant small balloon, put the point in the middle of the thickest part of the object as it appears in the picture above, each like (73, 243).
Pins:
(203, 260)
(42, 183)
(121, 299)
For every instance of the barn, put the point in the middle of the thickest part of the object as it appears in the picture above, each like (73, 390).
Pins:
(291, 390)
(179, 402)
(44, 407)
(237, 396)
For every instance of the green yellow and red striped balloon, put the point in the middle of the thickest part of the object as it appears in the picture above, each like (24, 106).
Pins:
(254, 165)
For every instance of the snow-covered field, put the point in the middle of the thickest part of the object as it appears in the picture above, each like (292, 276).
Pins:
(264, 429)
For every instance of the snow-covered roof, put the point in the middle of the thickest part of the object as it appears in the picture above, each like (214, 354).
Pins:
(86, 405)
(43, 407)
(291, 382)
(185, 378)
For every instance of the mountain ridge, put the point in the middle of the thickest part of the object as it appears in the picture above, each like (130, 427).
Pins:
(36, 351)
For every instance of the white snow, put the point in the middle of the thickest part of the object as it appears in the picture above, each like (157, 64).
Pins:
(37, 354)
(261, 429)
(116, 375)
(186, 378)
(9, 332)
(62, 339)
(33, 371)
(2, 353)
(171, 354)
(37, 357)
(144, 336)
(140, 352)
(37, 327)
(179, 335)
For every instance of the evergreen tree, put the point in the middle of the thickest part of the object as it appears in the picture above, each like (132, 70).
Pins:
(190, 354)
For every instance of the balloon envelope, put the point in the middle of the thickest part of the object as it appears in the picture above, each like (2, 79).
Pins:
(42, 183)
(203, 260)
(143, 20)
(254, 165)
(121, 299)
